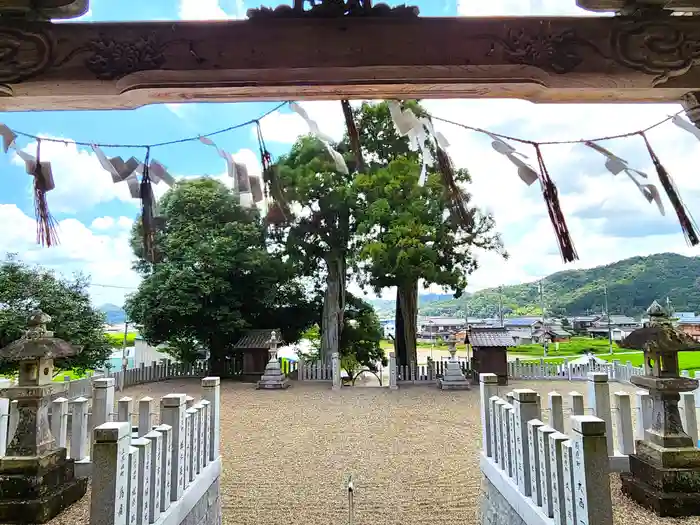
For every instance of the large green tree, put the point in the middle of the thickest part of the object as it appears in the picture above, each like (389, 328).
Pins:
(319, 231)
(25, 288)
(216, 276)
(407, 232)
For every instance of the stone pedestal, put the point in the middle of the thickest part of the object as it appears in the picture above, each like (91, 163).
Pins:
(273, 378)
(36, 489)
(665, 469)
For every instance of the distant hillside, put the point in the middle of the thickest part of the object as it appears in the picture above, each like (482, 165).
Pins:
(385, 307)
(113, 313)
(632, 285)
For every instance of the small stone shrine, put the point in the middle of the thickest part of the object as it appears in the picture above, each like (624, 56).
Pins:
(37, 482)
(273, 378)
(665, 469)
(453, 379)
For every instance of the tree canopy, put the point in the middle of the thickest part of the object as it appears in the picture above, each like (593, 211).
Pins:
(216, 276)
(25, 288)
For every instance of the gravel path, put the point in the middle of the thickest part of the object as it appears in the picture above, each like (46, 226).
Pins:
(413, 455)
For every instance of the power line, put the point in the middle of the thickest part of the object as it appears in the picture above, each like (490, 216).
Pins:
(98, 285)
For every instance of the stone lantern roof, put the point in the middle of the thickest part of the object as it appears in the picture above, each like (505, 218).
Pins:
(659, 335)
(38, 343)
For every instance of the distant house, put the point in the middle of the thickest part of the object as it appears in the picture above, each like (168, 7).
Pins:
(432, 328)
(522, 328)
(689, 323)
(554, 334)
(620, 326)
(581, 323)
(388, 327)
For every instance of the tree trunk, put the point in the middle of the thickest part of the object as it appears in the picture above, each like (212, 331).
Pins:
(408, 298)
(333, 301)
(399, 341)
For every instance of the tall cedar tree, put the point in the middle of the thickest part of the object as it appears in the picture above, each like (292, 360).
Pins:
(24, 288)
(216, 277)
(319, 234)
(405, 231)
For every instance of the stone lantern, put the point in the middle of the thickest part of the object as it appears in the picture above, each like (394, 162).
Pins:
(273, 378)
(453, 378)
(665, 468)
(36, 480)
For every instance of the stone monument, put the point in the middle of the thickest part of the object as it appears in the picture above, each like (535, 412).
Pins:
(665, 468)
(273, 378)
(453, 378)
(37, 482)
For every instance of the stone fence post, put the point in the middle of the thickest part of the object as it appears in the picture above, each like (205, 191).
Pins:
(110, 454)
(102, 401)
(599, 401)
(337, 379)
(392, 372)
(172, 413)
(211, 391)
(488, 384)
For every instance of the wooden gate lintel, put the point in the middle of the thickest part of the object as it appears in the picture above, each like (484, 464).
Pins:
(124, 65)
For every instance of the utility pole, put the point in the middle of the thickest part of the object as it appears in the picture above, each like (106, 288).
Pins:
(500, 304)
(607, 314)
(466, 328)
(544, 325)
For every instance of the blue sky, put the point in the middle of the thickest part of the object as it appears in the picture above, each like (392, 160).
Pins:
(608, 218)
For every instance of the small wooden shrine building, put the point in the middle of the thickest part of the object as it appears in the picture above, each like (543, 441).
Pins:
(251, 354)
(490, 352)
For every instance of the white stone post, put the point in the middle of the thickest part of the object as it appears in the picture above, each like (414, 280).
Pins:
(125, 409)
(556, 411)
(556, 469)
(599, 400)
(145, 412)
(545, 466)
(172, 412)
(143, 504)
(335, 363)
(511, 444)
(79, 447)
(533, 428)
(625, 432)
(501, 442)
(59, 422)
(166, 458)
(211, 391)
(688, 415)
(494, 430)
(197, 438)
(189, 401)
(576, 403)
(133, 485)
(190, 414)
(109, 475)
(525, 404)
(488, 385)
(507, 433)
(206, 429)
(301, 368)
(393, 384)
(155, 447)
(4, 424)
(102, 400)
(591, 471)
(643, 412)
(567, 450)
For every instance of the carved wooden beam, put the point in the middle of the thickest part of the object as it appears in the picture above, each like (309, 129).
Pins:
(122, 65)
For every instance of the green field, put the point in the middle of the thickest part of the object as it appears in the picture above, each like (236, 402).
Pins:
(576, 346)
(689, 361)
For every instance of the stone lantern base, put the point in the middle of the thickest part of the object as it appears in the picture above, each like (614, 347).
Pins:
(666, 481)
(36, 489)
(453, 379)
(273, 378)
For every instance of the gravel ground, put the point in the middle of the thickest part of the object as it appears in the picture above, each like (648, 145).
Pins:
(412, 453)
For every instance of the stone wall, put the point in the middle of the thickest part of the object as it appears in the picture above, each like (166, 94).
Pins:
(207, 511)
(495, 509)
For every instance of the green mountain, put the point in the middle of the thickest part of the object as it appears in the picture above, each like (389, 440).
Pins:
(113, 314)
(632, 285)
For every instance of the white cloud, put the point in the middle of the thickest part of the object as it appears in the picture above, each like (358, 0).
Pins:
(207, 10)
(106, 258)
(109, 223)
(520, 8)
(285, 127)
